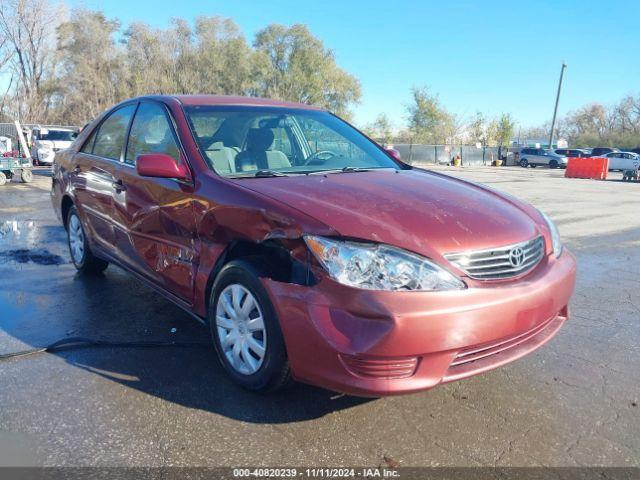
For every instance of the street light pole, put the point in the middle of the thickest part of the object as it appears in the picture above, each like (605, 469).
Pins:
(555, 110)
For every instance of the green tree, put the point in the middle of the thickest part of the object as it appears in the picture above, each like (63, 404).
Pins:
(91, 67)
(299, 68)
(478, 129)
(504, 130)
(380, 129)
(428, 121)
(225, 64)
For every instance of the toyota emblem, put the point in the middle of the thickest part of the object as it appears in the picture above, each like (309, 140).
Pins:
(516, 256)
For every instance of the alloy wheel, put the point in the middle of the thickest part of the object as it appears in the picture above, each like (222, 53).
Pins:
(241, 329)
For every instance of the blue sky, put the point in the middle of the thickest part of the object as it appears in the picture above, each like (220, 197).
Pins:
(492, 56)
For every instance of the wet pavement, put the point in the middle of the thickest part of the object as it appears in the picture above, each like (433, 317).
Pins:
(574, 402)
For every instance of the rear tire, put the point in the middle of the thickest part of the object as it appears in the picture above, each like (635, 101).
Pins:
(524, 163)
(247, 337)
(81, 256)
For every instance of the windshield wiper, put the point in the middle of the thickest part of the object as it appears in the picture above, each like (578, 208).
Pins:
(269, 173)
(355, 169)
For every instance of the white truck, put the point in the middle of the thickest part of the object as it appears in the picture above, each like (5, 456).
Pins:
(47, 141)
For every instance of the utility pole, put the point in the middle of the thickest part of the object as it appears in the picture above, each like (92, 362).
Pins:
(555, 110)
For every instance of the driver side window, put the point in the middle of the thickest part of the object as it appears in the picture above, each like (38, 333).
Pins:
(151, 133)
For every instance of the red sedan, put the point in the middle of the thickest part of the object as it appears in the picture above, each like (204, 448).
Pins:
(311, 252)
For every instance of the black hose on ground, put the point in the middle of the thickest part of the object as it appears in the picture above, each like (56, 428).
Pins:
(75, 343)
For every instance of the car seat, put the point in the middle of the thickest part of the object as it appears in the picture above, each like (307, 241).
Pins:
(257, 155)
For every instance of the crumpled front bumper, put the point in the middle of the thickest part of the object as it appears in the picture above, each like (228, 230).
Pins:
(374, 343)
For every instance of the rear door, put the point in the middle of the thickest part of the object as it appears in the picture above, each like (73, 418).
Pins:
(540, 157)
(616, 160)
(157, 238)
(93, 176)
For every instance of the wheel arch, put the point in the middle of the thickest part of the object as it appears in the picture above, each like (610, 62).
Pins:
(272, 259)
(65, 205)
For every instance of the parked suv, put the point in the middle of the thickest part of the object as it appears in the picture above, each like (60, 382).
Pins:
(600, 151)
(310, 251)
(571, 152)
(623, 160)
(538, 156)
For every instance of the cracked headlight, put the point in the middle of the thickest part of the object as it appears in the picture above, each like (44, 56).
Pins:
(555, 235)
(379, 267)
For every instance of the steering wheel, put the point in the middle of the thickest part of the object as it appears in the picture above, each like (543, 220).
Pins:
(322, 155)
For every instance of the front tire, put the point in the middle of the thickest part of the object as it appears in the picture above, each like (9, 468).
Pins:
(553, 164)
(81, 256)
(26, 175)
(246, 331)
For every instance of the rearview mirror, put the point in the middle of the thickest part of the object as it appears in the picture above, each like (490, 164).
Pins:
(160, 165)
(394, 153)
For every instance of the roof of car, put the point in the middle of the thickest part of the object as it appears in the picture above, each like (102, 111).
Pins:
(194, 100)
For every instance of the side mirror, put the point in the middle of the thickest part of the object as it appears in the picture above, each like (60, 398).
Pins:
(394, 153)
(160, 165)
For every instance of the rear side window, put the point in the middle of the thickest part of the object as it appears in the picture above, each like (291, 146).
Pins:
(112, 133)
(151, 132)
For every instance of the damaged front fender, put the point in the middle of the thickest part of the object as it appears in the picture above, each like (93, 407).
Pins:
(235, 222)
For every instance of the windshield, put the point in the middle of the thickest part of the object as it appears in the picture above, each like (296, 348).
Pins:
(269, 141)
(57, 135)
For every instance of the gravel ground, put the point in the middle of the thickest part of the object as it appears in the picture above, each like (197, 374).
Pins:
(571, 403)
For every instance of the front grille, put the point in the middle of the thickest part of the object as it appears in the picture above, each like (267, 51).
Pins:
(499, 263)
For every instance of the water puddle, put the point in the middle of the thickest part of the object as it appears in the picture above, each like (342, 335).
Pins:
(39, 256)
(30, 242)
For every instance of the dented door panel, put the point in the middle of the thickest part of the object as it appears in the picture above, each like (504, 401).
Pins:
(156, 233)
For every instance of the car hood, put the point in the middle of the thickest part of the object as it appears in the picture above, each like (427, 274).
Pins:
(417, 210)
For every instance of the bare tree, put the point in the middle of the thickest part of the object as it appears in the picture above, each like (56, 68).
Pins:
(27, 28)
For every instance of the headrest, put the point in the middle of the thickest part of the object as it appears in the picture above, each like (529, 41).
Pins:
(259, 139)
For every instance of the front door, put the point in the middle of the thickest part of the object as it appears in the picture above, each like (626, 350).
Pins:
(157, 213)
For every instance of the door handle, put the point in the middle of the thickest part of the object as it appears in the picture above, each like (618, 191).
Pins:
(118, 186)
